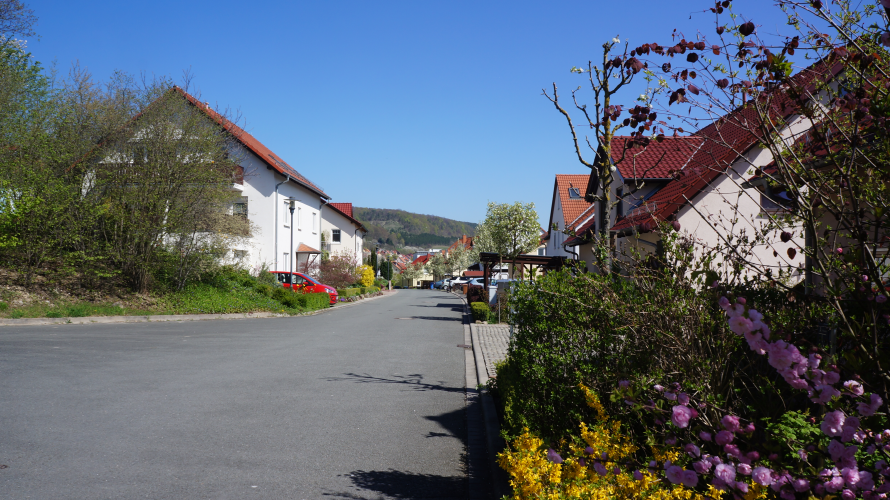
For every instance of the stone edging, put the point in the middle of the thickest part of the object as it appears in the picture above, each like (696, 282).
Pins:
(165, 318)
(500, 484)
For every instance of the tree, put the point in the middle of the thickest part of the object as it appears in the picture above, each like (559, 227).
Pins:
(15, 20)
(386, 270)
(340, 270)
(457, 260)
(508, 230)
(410, 274)
(437, 266)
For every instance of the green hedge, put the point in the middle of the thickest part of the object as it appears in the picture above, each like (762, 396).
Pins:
(480, 310)
(313, 301)
(349, 292)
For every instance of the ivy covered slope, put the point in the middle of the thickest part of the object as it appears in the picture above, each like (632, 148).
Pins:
(398, 228)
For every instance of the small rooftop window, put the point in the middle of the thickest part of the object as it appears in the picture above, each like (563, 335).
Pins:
(574, 192)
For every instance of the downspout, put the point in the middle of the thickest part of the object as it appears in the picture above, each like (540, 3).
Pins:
(276, 221)
(320, 230)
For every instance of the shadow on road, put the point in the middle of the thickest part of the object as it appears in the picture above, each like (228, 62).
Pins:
(435, 318)
(400, 484)
(414, 381)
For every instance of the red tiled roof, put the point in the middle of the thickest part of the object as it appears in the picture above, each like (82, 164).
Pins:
(338, 207)
(571, 207)
(345, 208)
(423, 259)
(725, 139)
(473, 274)
(657, 160)
(254, 145)
(306, 249)
(467, 242)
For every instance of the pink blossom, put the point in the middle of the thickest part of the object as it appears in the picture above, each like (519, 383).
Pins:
(725, 472)
(848, 495)
(705, 436)
(826, 394)
(680, 416)
(670, 396)
(693, 450)
(723, 302)
(744, 469)
(866, 481)
(731, 450)
(814, 360)
(869, 409)
(833, 423)
(724, 438)
(840, 250)
(598, 467)
(880, 299)
(741, 300)
(623, 384)
(553, 456)
(659, 388)
(674, 474)
(683, 398)
(690, 478)
(638, 475)
(730, 423)
(851, 425)
(800, 485)
(761, 475)
(702, 467)
(740, 325)
(854, 387)
(834, 485)
(831, 378)
(851, 476)
(743, 487)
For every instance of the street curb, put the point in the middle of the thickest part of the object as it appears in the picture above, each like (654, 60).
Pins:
(500, 483)
(167, 318)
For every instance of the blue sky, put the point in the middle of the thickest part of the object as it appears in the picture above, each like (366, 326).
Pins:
(430, 107)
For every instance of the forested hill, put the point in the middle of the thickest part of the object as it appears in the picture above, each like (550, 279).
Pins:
(398, 228)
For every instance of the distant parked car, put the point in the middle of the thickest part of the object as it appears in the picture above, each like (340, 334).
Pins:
(299, 282)
(439, 284)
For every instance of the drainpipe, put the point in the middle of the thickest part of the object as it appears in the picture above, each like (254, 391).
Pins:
(276, 221)
(810, 245)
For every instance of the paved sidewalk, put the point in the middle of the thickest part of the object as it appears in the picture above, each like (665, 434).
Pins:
(493, 339)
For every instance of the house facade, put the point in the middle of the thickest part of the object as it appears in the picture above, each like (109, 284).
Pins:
(343, 233)
(568, 210)
(280, 240)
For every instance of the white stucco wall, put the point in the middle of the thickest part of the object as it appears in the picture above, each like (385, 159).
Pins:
(351, 237)
(262, 201)
(557, 237)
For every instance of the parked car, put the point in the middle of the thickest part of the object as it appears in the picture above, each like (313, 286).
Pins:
(457, 282)
(299, 282)
(439, 284)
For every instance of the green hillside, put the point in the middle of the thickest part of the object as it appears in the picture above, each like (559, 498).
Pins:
(398, 228)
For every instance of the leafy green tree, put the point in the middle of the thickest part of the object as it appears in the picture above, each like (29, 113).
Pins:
(508, 230)
(437, 266)
(457, 260)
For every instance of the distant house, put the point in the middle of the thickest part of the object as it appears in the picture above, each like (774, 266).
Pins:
(568, 210)
(344, 232)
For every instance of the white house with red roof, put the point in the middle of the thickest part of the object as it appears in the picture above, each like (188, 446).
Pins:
(568, 210)
(280, 240)
(698, 184)
(343, 232)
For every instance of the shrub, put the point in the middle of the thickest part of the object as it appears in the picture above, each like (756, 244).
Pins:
(265, 289)
(349, 292)
(280, 294)
(340, 270)
(367, 275)
(480, 311)
(3, 306)
(475, 294)
(313, 301)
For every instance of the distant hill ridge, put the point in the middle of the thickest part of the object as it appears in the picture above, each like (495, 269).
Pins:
(398, 228)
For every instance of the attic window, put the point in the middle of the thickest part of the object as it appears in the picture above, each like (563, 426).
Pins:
(574, 193)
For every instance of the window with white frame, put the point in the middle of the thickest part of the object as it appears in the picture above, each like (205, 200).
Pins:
(286, 260)
(314, 229)
(299, 211)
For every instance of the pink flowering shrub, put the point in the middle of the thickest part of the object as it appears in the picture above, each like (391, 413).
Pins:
(844, 452)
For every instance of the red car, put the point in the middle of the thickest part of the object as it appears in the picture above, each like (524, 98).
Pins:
(302, 283)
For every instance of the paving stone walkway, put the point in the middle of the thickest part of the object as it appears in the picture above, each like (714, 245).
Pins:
(493, 339)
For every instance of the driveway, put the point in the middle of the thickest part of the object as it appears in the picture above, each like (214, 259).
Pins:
(366, 402)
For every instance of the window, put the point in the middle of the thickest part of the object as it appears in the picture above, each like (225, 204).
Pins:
(239, 255)
(286, 214)
(286, 259)
(240, 207)
(574, 193)
(772, 201)
(298, 217)
(335, 235)
(313, 222)
(540, 251)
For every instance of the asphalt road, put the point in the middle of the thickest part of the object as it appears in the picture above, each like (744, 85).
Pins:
(366, 402)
